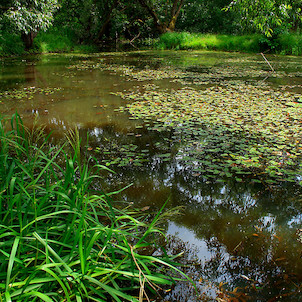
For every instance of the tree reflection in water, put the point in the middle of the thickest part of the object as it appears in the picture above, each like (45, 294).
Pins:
(237, 237)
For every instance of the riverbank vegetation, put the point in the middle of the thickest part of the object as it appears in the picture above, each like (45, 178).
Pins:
(67, 25)
(286, 44)
(63, 239)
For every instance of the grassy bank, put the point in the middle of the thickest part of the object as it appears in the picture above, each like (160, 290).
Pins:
(65, 41)
(63, 241)
(60, 41)
(290, 44)
(45, 42)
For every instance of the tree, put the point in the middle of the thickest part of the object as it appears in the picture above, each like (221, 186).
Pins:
(266, 16)
(208, 17)
(29, 16)
(164, 20)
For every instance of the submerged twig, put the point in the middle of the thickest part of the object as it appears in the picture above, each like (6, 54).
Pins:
(266, 60)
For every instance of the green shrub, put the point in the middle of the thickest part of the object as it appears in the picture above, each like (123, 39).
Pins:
(173, 40)
(10, 44)
(54, 41)
(290, 44)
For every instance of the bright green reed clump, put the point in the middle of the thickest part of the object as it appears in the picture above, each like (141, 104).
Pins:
(288, 43)
(197, 41)
(60, 241)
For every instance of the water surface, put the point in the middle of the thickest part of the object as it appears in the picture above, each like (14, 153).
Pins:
(240, 238)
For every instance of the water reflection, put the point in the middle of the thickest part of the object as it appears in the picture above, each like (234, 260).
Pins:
(242, 234)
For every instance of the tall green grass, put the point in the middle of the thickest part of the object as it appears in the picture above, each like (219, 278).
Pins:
(287, 43)
(62, 241)
(56, 40)
(246, 43)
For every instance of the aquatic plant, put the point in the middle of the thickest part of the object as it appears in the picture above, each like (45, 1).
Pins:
(63, 240)
(26, 93)
(240, 126)
(228, 130)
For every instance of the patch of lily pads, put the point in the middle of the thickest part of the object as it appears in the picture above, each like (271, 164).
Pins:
(192, 75)
(26, 93)
(134, 149)
(226, 121)
(228, 130)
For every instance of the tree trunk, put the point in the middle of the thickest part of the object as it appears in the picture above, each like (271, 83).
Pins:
(164, 27)
(107, 20)
(159, 26)
(175, 13)
(28, 39)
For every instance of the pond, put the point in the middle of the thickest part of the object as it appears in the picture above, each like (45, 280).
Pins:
(218, 134)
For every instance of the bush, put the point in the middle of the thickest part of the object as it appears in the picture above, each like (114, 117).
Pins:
(173, 40)
(54, 41)
(10, 44)
(289, 44)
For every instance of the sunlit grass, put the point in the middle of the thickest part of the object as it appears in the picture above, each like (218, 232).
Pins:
(283, 44)
(290, 44)
(247, 43)
(61, 241)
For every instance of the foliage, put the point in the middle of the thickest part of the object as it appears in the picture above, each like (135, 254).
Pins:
(268, 16)
(61, 240)
(286, 43)
(208, 17)
(289, 44)
(54, 41)
(104, 23)
(31, 16)
(10, 44)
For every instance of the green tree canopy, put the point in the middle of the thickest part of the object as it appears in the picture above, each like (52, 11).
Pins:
(28, 16)
(267, 16)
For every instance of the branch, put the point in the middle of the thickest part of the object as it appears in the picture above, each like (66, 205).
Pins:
(107, 19)
(150, 10)
(175, 11)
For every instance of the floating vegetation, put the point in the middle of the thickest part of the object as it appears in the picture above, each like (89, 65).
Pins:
(226, 121)
(197, 76)
(228, 130)
(66, 75)
(125, 155)
(26, 93)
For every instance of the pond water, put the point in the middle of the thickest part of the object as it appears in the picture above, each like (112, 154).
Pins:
(239, 229)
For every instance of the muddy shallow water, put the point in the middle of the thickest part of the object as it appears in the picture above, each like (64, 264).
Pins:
(241, 238)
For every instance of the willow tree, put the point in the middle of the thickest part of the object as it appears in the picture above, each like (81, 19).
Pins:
(28, 17)
(163, 13)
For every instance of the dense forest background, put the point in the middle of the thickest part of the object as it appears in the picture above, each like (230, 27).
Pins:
(50, 25)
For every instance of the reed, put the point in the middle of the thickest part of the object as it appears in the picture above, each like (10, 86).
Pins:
(62, 241)
(196, 41)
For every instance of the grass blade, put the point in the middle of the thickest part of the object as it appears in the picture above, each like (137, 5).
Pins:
(11, 261)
